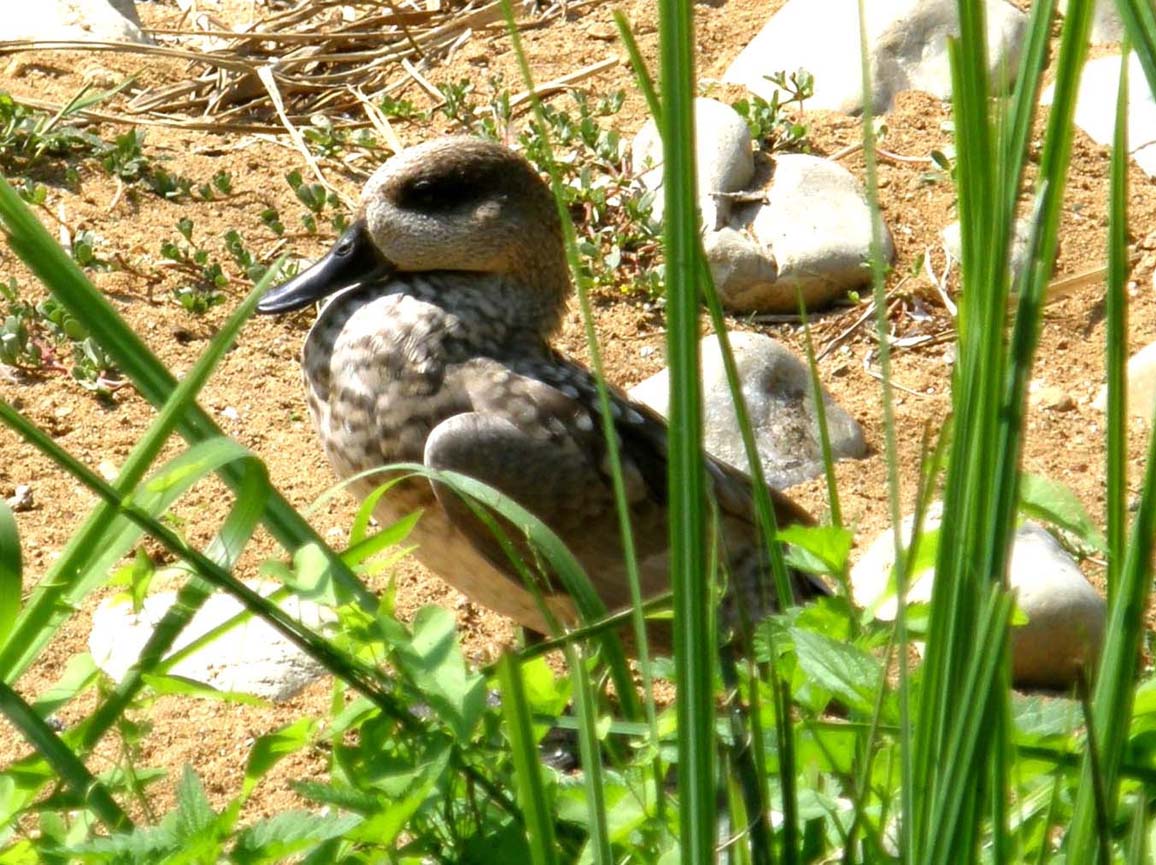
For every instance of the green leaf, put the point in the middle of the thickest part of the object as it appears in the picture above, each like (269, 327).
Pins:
(170, 685)
(1054, 503)
(847, 672)
(830, 545)
(433, 661)
(269, 749)
(279, 838)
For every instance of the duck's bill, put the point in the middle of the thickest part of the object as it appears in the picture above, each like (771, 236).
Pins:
(353, 260)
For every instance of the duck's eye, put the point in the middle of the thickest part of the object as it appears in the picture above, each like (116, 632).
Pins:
(436, 193)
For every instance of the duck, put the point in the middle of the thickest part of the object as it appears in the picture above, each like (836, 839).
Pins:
(433, 346)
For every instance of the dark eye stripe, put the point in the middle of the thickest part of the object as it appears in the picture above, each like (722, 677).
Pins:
(438, 193)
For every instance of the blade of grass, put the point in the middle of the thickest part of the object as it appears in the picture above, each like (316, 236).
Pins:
(44, 257)
(11, 570)
(692, 594)
(1116, 336)
(606, 416)
(1115, 680)
(67, 765)
(73, 576)
(878, 282)
(523, 749)
(361, 676)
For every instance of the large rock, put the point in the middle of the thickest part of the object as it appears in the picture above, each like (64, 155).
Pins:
(906, 40)
(723, 154)
(1096, 107)
(1065, 626)
(72, 20)
(772, 228)
(777, 388)
(815, 227)
(252, 658)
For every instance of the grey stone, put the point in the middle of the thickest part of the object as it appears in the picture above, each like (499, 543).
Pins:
(777, 388)
(724, 159)
(815, 227)
(1096, 107)
(1107, 26)
(907, 46)
(953, 243)
(1065, 615)
(73, 20)
(253, 658)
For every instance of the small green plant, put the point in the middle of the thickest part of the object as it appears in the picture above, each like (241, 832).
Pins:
(204, 292)
(84, 245)
(45, 336)
(399, 109)
(28, 135)
(271, 218)
(220, 185)
(316, 200)
(245, 259)
(771, 125)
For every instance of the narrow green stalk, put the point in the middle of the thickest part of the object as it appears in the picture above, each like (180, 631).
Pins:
(606, 416)
(531, 790)
(694, 653)
(1116, 326)
(891, 449)
(44, 257)
(1114, 693)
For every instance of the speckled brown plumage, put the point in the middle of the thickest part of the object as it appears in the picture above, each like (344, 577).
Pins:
(435, 349)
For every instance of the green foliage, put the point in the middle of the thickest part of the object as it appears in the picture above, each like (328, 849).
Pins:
(774, 125)
(317, 201)
(46, 336)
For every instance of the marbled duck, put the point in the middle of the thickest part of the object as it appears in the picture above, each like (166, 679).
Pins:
(435, 348)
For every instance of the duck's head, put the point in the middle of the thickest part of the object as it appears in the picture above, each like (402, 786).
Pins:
(454, 204)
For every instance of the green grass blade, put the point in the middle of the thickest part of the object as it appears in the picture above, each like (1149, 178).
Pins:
(100, 543)
(694, 652)
(1116, 327)
(1115, 680)
(11, 571)
(891, 450)
(606, 416)
(591, 756)
(1139, 18)
(523, 749)
(44, 257)
(67, 766)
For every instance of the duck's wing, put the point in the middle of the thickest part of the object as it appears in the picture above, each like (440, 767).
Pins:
(534, 433)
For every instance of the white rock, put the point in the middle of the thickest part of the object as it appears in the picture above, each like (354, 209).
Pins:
(777, 389)
(907, 45)
(1107, 26)
(724, 159)
(953, 243)
(1141, 378)
(253, 657)
(1096, 107)
(816, 228)
(72, 20)
(1065, 626)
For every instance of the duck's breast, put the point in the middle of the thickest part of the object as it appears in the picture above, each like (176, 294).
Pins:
(375, 376)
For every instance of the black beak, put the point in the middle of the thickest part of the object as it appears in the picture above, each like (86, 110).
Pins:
(354, 260)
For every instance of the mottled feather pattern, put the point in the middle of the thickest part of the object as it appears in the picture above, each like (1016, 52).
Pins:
(446, 360)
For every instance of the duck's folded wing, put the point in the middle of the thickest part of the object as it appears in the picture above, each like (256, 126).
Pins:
(543, 447)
